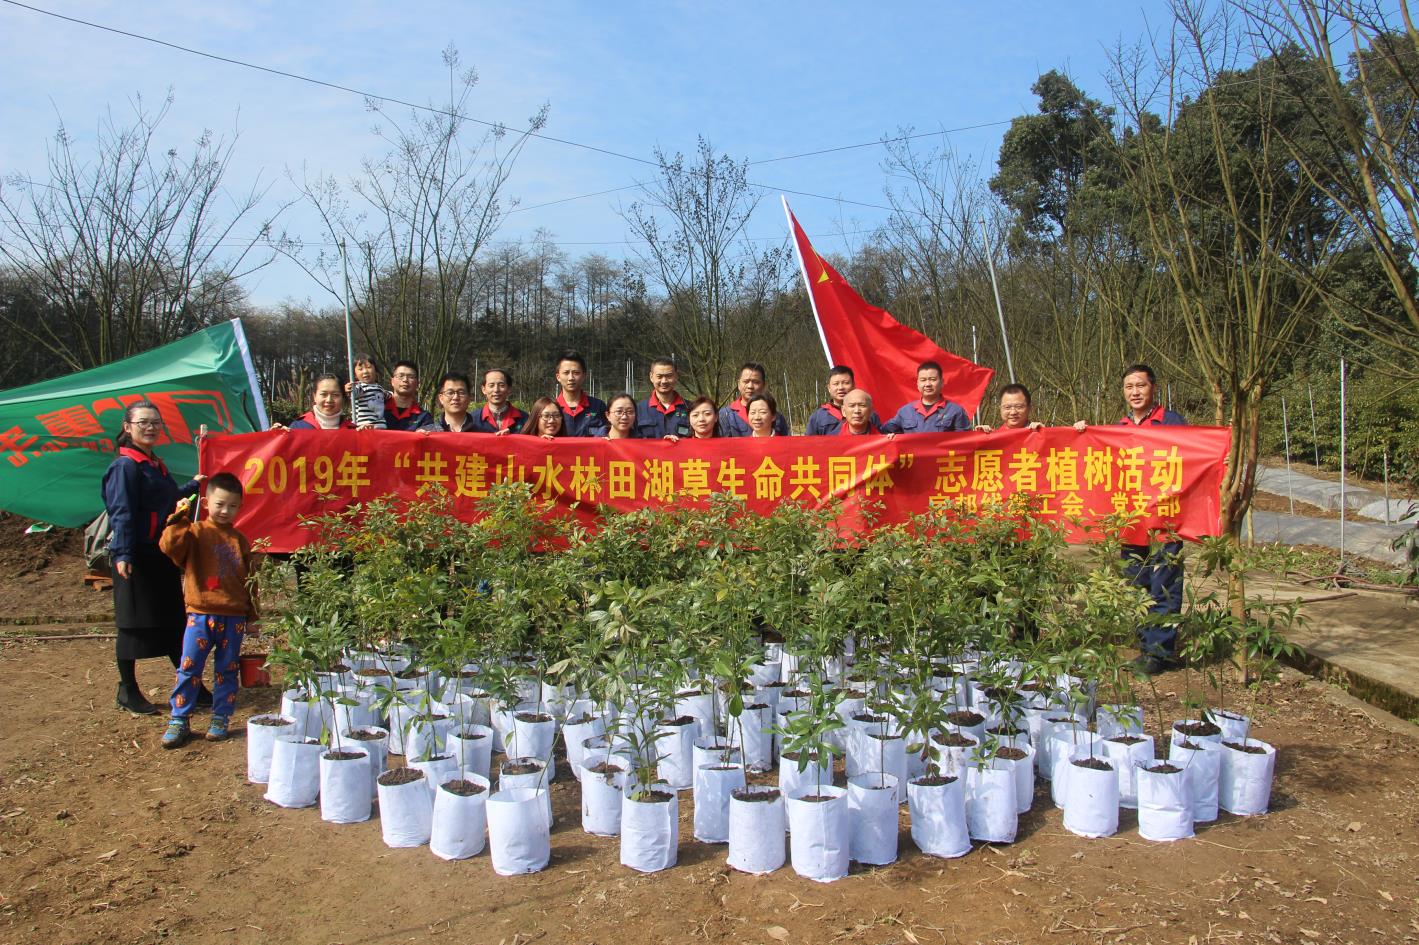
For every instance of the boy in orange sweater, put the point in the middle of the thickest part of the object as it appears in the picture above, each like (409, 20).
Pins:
(215, 560)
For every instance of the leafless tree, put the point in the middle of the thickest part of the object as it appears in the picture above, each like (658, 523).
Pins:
(132, 245)
(414, 223)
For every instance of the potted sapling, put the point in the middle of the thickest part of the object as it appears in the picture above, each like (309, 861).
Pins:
(627, 615)
(295, 760)
(460, 820)
(936, 799)
(819, 832)
(1164, 796)
(1249, 764)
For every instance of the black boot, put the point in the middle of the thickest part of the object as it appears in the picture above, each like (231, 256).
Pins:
(131, 698)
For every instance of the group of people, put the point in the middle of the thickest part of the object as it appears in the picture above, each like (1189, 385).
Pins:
(665, 414)
(180, 585)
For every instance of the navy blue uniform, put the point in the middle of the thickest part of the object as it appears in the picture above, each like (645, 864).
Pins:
(827, 420)
(485, 421)
(734, 421)
(586, 417)
(1161, 572)
(148, 608)
(412, 417)
(941, 417)
(654, 420)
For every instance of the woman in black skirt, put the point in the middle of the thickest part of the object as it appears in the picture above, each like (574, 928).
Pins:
(147, 588)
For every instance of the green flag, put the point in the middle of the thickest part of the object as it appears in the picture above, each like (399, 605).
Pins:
(56, 437)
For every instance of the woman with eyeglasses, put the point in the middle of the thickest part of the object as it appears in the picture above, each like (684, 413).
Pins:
(148, 609)
(545, 420)
(621, 418)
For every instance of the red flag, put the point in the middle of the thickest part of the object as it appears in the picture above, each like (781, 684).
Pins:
(882, 352)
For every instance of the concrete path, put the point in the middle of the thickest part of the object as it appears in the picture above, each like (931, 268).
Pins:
(1366, 640)
(1325, 494)
(1362, 538)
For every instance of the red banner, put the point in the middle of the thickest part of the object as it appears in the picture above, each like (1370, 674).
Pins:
(1170, 476)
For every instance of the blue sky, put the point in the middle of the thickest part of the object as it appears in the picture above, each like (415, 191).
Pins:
(759, 81)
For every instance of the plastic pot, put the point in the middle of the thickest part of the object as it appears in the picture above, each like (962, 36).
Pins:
(1091, 796)
(345, 786)
(1203, 766)
(376, 751)
(756, 832)
(406, 811)
(649, 831)
(1244, 778)
(872, 802)
(938, 816)
(472, 747)
(537, 780)
(295, 772)
(460, 821)
(990, 802)
(519, 833)
(262, 732)
(819, 834)
(601, 794)
(1126, 758)
(1164, 804)
(714, 783)
(253, 670)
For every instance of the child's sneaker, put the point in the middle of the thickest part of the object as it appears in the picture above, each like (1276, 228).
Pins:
(177, 733)
(217, 729)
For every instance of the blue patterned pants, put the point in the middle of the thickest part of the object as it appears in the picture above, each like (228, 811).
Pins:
(220, 638)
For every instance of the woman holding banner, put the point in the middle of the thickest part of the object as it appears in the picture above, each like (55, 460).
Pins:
(621, 417)
(148, 609)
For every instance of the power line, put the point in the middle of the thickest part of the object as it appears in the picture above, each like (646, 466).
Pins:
(321, 82)
(883, 141)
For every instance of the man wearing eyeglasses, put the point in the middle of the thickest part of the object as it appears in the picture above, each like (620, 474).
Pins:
(455, 391)
(401, 409)
(1014, 410)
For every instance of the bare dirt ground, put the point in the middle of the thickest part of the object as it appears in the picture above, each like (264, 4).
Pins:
(104, 837)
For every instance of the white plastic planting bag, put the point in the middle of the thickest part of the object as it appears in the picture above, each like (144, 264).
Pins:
(1164, 805)
(1203, 768)
(1195, 739)
(756, 835)
(990, 803)
(519, 834)
(576, 734)
(649, 833)
(539, 780)
(1063, 744)
(1119, 720)
(676, 750)
(427, 736)
(819, 834)
(713, 785)
(1244, 782)
(1235, 727)
(888, 755)
(872, 804)
(376, 751)
(1091, 798)
(400, 714)
(353, 709)
(406, 813)
(1024, 771)
(472, 748)
(1053, 722)
(698, 706)
(345, 787)
(460, 822)
(295, 773)
(601, 801)
(304, 711)
(533, 737)
(709, 750)
(260, 739)
(751, 733)
(438, 769)
(1126, 759)
(794, 783)
(938, 814)
(501, 722)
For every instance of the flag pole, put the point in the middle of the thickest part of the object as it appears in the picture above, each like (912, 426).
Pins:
(349, 337)
(999, 309)
(807, 283)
